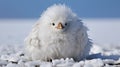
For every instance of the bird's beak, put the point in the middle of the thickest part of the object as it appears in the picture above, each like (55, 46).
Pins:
(60, 26)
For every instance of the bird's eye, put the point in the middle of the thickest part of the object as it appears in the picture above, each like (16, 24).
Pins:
(53, 24)
(66, 24)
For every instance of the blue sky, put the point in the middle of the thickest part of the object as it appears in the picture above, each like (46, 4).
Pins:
(84, 8)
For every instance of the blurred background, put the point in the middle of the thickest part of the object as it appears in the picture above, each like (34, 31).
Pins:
(101, 16)
(84, 8)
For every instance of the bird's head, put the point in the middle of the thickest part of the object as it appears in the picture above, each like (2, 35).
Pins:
(58, 18)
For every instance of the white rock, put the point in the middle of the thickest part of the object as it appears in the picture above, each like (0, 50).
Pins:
(3, 62)
(107, 61)
(14, 58)
(77, 65)
(32, 63)
(12, 65)
(94, 63)
(46, 64)
(4, 57)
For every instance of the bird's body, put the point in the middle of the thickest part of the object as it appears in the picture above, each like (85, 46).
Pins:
(58, 34)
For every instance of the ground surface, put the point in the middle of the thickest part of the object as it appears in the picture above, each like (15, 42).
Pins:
(103, 53)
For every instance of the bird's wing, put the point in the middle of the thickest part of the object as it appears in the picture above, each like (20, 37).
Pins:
(33, 38)
(83, 40)
(82, 36)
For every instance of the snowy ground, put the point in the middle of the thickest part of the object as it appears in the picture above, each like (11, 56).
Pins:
(104, 53)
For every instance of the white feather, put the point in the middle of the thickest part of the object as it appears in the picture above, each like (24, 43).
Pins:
(45, 42)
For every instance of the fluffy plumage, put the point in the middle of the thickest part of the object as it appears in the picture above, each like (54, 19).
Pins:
(59, 33)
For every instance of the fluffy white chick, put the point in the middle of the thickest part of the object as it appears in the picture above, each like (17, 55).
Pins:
(59, 33)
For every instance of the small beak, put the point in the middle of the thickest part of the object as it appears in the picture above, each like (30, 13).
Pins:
(60, 26)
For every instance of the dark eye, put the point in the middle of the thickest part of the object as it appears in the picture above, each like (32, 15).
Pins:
(53, 24)
(66, 24)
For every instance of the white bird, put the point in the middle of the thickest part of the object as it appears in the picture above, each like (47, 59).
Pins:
(59, 33)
